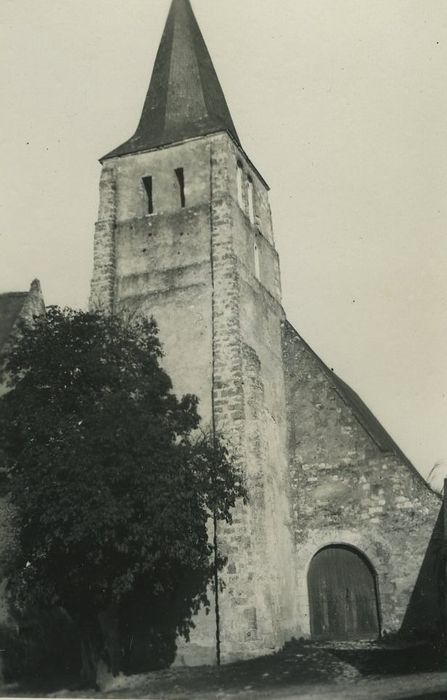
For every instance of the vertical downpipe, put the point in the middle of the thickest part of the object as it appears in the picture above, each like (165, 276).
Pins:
(213, 416)
(216, 592)
(443, 582)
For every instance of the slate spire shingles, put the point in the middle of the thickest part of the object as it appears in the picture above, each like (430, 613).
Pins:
(185, 99)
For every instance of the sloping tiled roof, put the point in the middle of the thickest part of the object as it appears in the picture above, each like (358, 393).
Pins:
(363, 414)
(11, 306)
(360, 410)
(19, 305)
(185, 99)
(370, 423)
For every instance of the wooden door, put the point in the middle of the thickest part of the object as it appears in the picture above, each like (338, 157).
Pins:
(342, 595)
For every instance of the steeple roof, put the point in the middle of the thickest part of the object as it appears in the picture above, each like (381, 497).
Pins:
(184, 99)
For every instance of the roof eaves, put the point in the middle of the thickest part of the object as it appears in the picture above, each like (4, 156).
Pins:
(117, 154)
(339, 385)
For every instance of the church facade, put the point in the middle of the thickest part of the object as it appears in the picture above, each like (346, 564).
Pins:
(340, 536)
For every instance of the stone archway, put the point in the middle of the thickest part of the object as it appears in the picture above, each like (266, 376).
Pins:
(343, 599)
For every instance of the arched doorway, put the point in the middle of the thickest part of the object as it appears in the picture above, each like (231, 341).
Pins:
(342, 595)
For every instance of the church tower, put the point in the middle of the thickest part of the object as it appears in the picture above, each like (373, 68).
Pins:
(184, 233)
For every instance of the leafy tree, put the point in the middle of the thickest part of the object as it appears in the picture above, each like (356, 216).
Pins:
(112, 483)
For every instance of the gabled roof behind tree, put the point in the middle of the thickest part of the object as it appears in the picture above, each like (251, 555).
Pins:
(11, 305)
(16, 306)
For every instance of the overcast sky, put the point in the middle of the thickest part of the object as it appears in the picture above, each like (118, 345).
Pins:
(341, 104)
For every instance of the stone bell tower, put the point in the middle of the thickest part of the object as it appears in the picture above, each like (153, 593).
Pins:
(184, 233)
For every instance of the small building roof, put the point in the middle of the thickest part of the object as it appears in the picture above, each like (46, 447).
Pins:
(18, 305)
(185, 99)
(11, 305)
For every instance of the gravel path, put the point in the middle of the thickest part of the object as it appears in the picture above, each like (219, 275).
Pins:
(304, 670)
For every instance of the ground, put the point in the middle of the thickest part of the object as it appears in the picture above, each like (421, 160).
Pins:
(304, 670)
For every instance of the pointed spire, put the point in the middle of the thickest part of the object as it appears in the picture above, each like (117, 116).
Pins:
(185, 98)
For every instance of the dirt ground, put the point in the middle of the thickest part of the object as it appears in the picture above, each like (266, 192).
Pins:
(304, 670)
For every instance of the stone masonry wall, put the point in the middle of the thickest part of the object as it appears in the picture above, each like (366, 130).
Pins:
(346, 490)
(161, 261)
(193, 269)
(228, 405)
(103, 280)
(250, 409)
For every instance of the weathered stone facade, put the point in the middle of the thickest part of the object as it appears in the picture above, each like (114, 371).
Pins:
(350, 485)
(192, 268)
(197, 252)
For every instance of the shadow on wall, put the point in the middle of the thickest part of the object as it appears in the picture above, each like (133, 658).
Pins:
(425, 614)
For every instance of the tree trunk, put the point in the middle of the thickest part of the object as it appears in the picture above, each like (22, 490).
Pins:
(89, 658)
(109, 623)
(101, 654)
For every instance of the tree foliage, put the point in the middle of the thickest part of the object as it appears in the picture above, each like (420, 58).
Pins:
(113, 484)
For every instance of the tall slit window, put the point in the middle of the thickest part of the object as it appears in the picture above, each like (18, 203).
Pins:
(181, 183)
(147, 183)
(257, 260)
(251, 207)
(240, 197)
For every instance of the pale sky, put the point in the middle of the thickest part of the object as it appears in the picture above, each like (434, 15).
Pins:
(341, 104)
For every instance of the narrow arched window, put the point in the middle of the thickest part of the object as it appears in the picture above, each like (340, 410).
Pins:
(240, 194)
(181, 183)
(251, 206)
